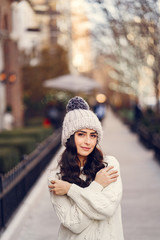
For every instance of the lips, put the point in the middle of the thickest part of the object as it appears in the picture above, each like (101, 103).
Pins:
(85, 148)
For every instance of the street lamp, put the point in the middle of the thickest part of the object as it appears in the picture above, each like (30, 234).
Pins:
(11, 77)
(3, 77)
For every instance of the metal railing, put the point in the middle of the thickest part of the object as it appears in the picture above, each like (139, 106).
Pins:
(16, 183)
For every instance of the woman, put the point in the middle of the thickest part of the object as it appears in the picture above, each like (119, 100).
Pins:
(86, 187)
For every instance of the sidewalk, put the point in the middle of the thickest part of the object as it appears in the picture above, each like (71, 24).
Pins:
(36, 220)
(141, 181)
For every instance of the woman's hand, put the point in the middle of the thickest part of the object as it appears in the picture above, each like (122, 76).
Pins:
(104, 177)
(59, 187)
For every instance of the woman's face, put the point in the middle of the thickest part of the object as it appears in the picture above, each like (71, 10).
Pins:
(85, 140)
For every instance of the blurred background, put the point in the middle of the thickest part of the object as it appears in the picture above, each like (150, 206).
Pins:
(107, 51)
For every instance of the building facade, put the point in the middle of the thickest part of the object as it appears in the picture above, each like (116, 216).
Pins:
(10, 75)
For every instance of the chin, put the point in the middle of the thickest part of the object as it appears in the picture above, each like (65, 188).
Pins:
(85, 154)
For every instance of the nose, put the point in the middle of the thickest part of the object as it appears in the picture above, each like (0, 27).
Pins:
(87, 140)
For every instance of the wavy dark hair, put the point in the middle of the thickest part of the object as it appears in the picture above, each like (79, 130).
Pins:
(70, 170)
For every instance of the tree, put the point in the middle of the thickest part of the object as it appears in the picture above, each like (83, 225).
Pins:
(130, 31)
(51, 66)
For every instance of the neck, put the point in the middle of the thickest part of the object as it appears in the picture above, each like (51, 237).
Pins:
(82, 161)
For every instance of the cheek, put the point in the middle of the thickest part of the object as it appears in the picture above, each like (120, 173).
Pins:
(78, 141)
(94, 142)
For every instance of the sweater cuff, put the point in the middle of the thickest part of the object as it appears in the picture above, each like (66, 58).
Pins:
(96, 186)
(73, 189)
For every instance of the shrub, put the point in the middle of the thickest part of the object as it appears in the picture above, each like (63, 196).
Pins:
(38, 133)
(127, 114)
(34, 122)
(24, 145)
(9, 158)
(20, 141)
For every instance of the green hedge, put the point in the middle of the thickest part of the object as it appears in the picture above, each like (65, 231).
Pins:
(34, 122)
(9, 157)
(126, 114)
(38, 133)
(21, 141)
(24, 145)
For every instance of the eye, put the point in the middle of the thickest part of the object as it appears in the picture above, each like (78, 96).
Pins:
(80, 134)
(94, 136)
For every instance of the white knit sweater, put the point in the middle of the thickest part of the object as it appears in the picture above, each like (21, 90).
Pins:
(91, 213)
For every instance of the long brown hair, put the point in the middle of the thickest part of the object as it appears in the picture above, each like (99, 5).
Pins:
(69, 167)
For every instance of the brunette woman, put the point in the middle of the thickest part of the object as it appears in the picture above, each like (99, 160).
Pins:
(86, 187)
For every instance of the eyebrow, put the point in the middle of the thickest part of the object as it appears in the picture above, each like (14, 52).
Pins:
(86, 132)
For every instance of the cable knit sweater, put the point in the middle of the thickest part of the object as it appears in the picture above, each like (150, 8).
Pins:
(91, 213)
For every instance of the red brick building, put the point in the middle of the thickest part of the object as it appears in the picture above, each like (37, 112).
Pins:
(10, 66)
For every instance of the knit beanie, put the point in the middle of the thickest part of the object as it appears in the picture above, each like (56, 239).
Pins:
(79, 116)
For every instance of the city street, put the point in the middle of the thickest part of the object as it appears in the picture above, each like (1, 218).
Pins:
(36, 220)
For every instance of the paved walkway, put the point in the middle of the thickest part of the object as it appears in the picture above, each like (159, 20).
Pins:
(36, 220)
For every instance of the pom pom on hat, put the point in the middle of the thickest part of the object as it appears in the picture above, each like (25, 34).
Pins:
(78, 117)
(77, 103)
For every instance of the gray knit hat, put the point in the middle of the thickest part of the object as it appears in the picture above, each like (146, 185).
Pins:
(78, 117)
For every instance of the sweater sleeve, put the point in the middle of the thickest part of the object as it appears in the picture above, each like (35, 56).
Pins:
(98, 202)
(69, 213)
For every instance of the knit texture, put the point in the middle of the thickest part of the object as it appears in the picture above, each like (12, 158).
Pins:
(91, 213)
(78, 117)
(77, 103)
